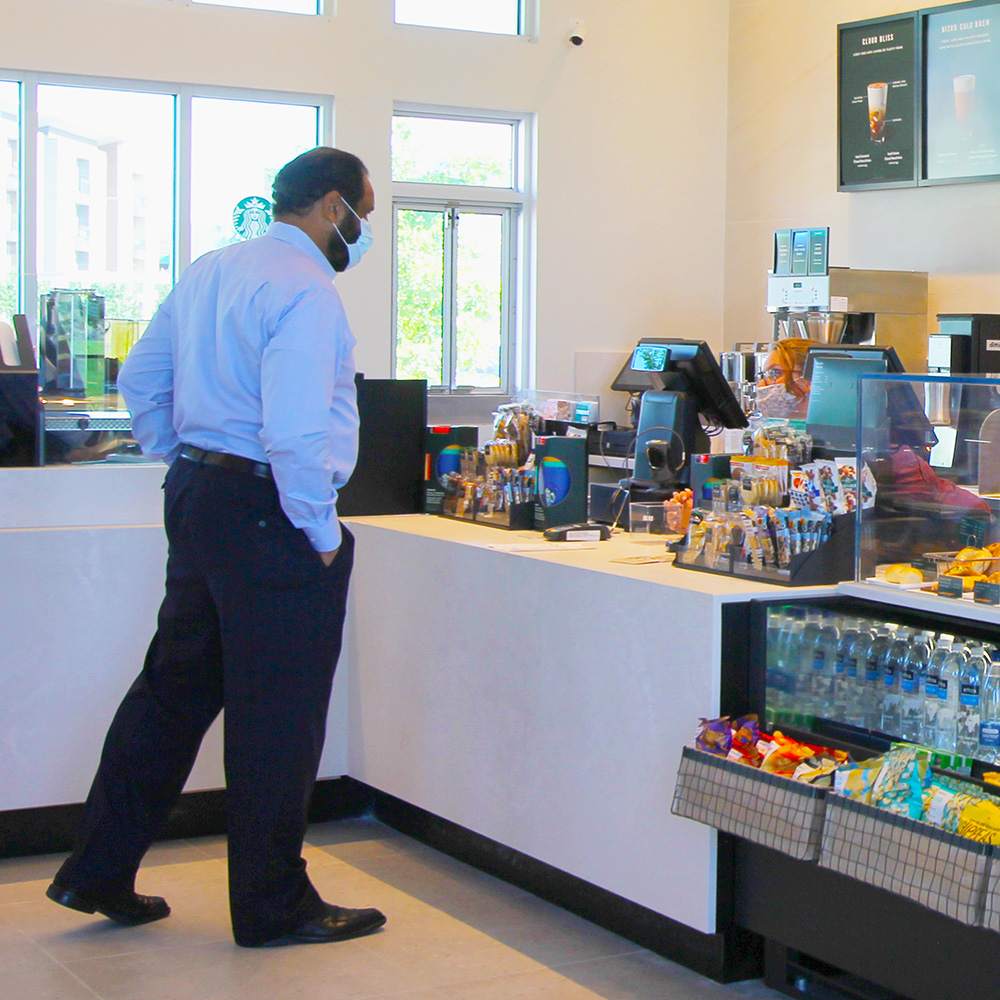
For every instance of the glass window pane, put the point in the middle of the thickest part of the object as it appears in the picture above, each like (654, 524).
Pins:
(451, 151)
(236, 149)
(10, 219)
(500, 16)
(420, 295)
(479, 270)
(287, 6)
(105, 218)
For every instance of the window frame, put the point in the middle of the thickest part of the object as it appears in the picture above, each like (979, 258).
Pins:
(527, 23)
(183, 95)
(516, 206)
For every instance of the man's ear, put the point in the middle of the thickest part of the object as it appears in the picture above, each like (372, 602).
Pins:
(332, 206)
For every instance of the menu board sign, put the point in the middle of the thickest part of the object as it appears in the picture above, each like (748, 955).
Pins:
(878, 103)
(962, 92)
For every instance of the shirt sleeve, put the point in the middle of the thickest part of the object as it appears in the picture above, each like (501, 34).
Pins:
(310, 417)
(146, 381)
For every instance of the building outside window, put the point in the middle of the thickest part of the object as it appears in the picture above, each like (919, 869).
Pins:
(83, 176)
(111, 215)
(458, 200)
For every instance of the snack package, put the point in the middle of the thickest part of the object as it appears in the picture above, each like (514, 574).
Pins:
(867, 488)
(901, 782)
(847, 469)
(830, 485)
(714, 736)
(746, 736)
(980, 821)
(856, 780)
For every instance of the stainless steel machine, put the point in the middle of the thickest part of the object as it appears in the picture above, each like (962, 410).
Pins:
(854, 306)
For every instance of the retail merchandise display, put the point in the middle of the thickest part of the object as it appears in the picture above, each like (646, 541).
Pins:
(901, 781)
(777, 503)
(936, 690)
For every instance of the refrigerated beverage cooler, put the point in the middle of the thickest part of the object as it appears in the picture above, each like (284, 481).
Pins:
(860, 675)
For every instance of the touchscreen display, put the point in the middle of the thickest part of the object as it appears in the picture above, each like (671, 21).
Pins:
(650, 358)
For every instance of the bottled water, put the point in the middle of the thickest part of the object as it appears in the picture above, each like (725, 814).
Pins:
(874, 664)
(804, 698)
(989, 714)
(912, 688)
(892, 672)
(824, 659)
(949, 690)
(778, 620)
(842, 680)
(967, 728)
(785, 673)
(931, 702)
(857, 659)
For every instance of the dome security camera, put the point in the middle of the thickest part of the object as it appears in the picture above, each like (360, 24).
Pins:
(577, 32)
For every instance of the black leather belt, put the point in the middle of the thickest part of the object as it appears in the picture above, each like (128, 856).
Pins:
(235, 462)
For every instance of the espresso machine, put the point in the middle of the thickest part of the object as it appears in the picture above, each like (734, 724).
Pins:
(854, 306)
(841, 305)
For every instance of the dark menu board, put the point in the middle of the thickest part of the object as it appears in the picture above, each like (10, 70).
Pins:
(878, 102)
(962, 92)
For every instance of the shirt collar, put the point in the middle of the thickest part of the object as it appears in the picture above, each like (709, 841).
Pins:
(292, 234)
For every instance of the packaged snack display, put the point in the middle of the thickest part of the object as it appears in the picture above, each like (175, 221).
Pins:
(741, 741)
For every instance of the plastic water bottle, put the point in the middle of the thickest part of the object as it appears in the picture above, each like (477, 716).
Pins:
(892, 672)
(778, 620)
(989, 714)
(824, 661)
(931, 702)
(857, 658)
(842, 681)
(874, 664)
(804, 698)
(785, 675)
(967, 728)
(913, 686)
(949, 691)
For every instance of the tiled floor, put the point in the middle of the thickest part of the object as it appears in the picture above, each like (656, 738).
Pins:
(453, 933)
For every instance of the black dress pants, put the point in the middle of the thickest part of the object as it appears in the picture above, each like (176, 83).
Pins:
(251, 621)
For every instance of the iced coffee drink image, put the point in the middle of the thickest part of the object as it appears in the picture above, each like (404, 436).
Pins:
(877, 94)
(965, 92)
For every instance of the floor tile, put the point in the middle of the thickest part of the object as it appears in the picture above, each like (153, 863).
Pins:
(196, 891)
(222, 971)
(453, 933)
(28, 974)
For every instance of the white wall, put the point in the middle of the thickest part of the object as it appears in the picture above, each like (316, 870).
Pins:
(631, 136)
(782, 172)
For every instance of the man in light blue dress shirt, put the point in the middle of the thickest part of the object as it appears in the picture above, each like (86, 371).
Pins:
(244, 384)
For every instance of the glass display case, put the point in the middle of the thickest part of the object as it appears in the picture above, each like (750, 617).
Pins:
(932, 445)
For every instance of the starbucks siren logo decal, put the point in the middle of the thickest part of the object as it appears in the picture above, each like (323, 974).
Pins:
(251, 217)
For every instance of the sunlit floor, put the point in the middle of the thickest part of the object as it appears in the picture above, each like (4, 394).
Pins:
(453, 933)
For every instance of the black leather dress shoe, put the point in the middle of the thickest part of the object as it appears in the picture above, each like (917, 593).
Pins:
(128, 908)
(335, 923)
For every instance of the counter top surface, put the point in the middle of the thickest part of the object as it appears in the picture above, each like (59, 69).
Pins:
(599, 558)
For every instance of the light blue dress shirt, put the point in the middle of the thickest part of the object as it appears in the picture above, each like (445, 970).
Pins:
(251, 354)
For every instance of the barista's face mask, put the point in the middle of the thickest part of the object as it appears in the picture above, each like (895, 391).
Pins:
(357, 249)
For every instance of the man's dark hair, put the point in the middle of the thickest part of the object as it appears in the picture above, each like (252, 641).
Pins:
(301, 182)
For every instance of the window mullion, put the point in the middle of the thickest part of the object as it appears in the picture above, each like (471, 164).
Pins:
(182, 182)
(28, 194)
(449, 318)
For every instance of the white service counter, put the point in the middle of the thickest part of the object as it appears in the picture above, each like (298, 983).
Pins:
(539, 699)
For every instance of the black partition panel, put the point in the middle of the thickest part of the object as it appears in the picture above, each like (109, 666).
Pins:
(388, 478)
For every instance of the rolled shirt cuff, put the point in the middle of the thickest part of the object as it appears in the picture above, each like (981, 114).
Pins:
(326, 538)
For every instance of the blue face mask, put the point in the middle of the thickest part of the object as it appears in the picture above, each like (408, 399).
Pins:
(356, 250)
